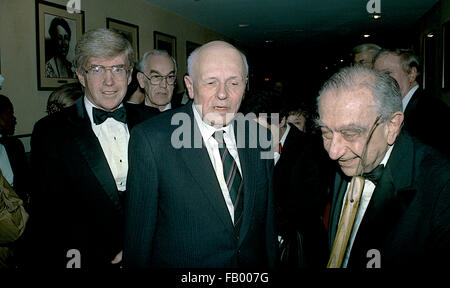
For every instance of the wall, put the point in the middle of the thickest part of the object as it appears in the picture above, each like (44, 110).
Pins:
(18, 45)
(432, 21)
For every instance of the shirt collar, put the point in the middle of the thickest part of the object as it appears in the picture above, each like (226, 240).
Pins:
(89, 105)
(386, 156)
(408, 96)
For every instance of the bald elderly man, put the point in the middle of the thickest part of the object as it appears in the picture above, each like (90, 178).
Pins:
(205, 203)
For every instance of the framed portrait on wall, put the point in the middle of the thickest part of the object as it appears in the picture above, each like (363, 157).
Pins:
(130, 31)
(57, 32)
(165, 42)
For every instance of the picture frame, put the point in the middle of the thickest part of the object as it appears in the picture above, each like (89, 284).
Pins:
(446, 55)
(57, 31)
(130, 31)
(166, 42)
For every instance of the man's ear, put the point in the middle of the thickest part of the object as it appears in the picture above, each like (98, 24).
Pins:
(140, 78)
(81, 78)
(130, 76)
(412, 74)
(189, 86)
(394, 126)
(283, 121)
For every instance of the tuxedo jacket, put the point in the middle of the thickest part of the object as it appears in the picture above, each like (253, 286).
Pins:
(407, 219)
(76, 203)
(176, 215)
(427, 118)
(300, 182)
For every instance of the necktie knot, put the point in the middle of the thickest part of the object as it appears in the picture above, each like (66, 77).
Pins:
(100, 116)
(218, 135)
(375, 174)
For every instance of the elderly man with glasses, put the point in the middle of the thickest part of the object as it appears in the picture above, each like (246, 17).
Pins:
(156, 76)
(80, 160)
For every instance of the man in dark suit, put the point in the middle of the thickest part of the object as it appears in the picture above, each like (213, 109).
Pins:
(80, 161)
(426, 117)
(194, 201)
(299, 183)
(402, 219)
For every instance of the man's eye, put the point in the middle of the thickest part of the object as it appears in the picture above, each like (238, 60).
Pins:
(327, 134)
(349, 135)
(96, 69)
(117, 69)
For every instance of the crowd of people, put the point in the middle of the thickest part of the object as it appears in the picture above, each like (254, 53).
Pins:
(124, 177)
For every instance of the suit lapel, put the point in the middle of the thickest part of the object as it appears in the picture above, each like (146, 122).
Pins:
(389, 201)
(92, 152)
(203, 171)
(246, 158)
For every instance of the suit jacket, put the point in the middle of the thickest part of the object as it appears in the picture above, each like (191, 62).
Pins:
(176, 215)
(427, 118)
(408, 217)
(76, 204)
(300, 188)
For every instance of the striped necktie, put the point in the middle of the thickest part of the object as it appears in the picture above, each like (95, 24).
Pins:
(233, 179)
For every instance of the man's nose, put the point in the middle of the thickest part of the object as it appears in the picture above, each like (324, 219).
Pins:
(108, 77)
(335, 147)
(222, 93)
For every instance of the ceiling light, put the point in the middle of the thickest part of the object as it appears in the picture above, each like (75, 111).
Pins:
(376, 16)
(366, 35)
(430, 35)
(243, 25)
(268, 41)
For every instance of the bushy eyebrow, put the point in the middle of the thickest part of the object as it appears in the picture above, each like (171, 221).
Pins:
(352, 128)
(347, 128)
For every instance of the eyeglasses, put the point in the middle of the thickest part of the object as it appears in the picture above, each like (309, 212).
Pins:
(98, 71)
(156, 79)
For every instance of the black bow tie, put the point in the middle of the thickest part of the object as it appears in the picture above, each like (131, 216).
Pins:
(375, 174)
(101, 115)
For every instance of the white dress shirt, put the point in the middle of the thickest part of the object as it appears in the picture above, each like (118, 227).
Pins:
(369, 187)
(5, 165)
(113, 136)
(408, 97)
(212, 147)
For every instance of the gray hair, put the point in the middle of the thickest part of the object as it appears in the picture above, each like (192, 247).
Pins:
(385, 90)
(408, 59)
(142, 64)
(102, 43)
(366, 47)
(194, 53)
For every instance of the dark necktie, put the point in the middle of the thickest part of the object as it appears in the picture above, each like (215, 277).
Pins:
(375, 174)
(100, 116)
(232, 178)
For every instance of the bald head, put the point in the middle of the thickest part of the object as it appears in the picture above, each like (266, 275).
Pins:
(220, 49)
(216, 81)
